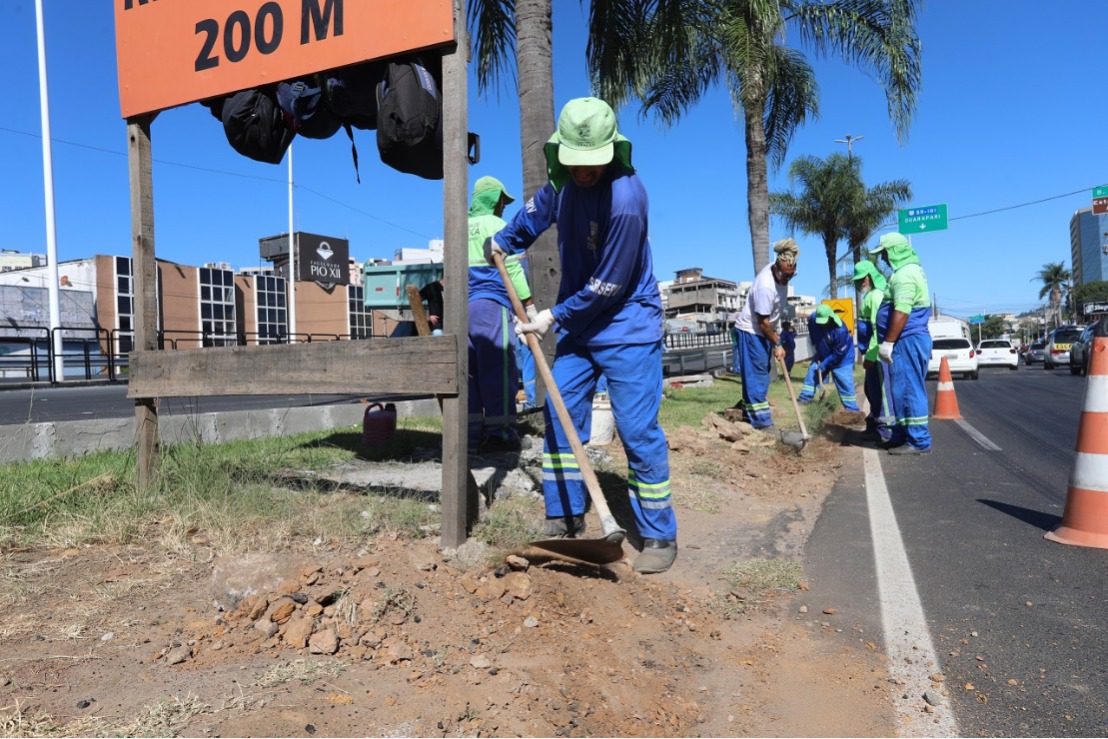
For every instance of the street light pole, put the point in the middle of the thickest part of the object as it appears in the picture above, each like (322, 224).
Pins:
(48, 195)
(849, 141)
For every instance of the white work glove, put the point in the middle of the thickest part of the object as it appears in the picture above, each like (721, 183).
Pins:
(885, 351)
(491, 247)
(538, 325)
(532, 312)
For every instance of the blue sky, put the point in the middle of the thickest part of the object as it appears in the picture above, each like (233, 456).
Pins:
(1010, 112)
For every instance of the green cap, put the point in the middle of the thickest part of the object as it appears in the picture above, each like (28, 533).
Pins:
(866, 268)
(891, 241)
(586, 136)
(826, 314)
(586, 133)
(486, 184)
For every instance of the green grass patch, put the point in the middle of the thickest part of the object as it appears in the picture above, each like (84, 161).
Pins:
(511, 523)
(688, 406)
(234, 492)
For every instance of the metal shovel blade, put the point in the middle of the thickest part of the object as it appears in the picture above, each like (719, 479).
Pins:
(594, 551)
(795, 439)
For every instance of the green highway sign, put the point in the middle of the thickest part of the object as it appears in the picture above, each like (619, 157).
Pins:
(979, 318)
(922, 219)
(1100, 192)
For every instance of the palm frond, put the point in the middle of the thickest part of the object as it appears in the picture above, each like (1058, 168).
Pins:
(875, 35)
(793, 97)
(492, 27)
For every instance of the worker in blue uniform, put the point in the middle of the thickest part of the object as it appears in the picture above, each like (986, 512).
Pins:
(834, 357)
(609, 320)
(905, 344)
(871, 286)
(493, 377)
(788, 343)
(759, 337)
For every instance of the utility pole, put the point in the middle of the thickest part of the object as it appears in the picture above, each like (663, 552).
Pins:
(849, 141)
(48, 194)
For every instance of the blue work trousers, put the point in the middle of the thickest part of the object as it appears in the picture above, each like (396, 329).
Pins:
(735, 351)
(909, 394)
(526, 362)
(843, 375)
(492, 377)
(755, 353)
(634, 376)
(881, 417)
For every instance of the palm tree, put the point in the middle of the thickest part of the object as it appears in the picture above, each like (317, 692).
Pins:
(1055, 279)
(682, 48)
(869, 210)
(827, 188)
(502, 29)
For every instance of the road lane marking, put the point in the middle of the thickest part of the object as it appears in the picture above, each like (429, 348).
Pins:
(982, 440)
(908, 643)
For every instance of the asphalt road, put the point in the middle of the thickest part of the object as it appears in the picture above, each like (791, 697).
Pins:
(1018, 622)
(37, 405)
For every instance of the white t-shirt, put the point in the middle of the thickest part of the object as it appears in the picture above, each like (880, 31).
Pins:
(765, 298)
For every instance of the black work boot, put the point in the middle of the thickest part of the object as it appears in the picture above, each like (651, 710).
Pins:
(564, 527)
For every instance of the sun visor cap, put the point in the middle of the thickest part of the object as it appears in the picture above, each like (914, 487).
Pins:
(890, 243)
(586, 133)
(487, 184)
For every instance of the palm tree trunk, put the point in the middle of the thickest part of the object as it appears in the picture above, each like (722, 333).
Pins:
(757, 188)
(830, 246)
(534, 62)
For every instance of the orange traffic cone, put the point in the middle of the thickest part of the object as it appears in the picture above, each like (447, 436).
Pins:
(946, 402)
(1085, 520)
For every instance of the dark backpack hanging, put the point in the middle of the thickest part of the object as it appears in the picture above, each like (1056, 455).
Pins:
(351, 93)
(255, 125)
(409, 119)
(305, 110)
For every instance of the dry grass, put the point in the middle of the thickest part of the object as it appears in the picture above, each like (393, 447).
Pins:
(304, 672)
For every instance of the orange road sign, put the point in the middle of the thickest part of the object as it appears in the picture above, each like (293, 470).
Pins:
(172, 52)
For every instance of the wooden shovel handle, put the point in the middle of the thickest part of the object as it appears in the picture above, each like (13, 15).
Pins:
(591, 483)
(792, 396)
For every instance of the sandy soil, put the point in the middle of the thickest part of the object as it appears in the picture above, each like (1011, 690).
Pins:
(398, 639)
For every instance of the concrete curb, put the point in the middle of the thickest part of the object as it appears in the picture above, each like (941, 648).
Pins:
(78, 438)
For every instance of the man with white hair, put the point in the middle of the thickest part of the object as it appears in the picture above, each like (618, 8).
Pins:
(759, 338)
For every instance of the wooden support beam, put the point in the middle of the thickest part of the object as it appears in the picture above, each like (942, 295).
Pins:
(145, 270)
(458, 509)
(410, 365)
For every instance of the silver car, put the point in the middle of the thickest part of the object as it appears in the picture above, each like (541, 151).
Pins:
(1035, 352)
(1057, 352)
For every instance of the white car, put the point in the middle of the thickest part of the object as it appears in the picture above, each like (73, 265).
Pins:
(998, 353)
(959, 353)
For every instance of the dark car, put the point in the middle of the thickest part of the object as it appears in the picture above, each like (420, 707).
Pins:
(1080, 351)
(1034, 352)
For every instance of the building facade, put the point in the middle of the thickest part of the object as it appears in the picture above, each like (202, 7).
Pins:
(1088, 246)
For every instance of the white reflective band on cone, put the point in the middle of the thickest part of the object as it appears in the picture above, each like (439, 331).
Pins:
(1090, 471)
(1096, 394)
(948, 386)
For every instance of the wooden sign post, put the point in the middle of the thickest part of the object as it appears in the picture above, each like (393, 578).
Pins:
(173, 52)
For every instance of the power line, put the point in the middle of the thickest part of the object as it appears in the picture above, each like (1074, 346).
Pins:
(226, 173)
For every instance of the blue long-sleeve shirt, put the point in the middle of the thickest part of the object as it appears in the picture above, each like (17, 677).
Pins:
(835, 347)
(608, 294)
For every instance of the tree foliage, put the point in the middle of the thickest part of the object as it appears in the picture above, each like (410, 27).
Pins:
(1055, 279)
(669, 53)
(833, 203)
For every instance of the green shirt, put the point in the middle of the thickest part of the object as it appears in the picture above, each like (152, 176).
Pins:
(908, 289)
(871, 304)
